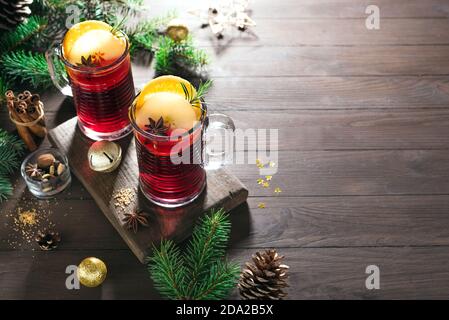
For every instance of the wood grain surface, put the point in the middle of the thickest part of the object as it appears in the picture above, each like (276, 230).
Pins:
(362, 118)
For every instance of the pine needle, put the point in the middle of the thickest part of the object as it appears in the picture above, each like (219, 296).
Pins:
(11, 149)
(5, 188)
(4, 86)
(24, 31)
(167, 270)
(26, 67)
(173, 56)
(202, 271)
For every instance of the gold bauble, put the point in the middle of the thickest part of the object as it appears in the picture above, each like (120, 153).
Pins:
(104, 156)
(177, 30)
(92, 272)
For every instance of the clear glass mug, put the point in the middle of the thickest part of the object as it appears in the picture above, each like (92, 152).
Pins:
(102, 95)
(172, 169)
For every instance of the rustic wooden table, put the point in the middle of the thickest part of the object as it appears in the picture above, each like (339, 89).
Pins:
(363, 125)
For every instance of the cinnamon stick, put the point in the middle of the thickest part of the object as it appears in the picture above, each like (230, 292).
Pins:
(21, 111)
(23, 132)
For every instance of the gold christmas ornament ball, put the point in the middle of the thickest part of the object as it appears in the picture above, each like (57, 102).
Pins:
(104, 156)
(177, 30)
(92, 272)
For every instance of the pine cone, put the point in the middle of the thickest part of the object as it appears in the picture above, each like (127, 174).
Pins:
(48, 240)
(265, 278)
(12, 12)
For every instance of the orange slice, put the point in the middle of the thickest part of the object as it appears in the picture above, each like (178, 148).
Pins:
(167, 84)
(92, 38)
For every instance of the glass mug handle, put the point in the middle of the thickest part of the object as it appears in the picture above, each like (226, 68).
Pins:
(58, 74)
(219, 145)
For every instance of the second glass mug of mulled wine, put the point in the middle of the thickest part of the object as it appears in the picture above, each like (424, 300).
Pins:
(170, 123)
(98, 68)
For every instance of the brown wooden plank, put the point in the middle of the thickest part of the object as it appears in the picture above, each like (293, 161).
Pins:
(294, 9)
(329, 61)
(315, 273)
(374, 172)
(333, 32)
(296, 93)
(285, 222)
(272, 93)
(341, 173)
(222, 190)
(265, 61)
(341, 129)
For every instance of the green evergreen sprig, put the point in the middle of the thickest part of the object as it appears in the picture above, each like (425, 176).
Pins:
(24, 31)
(203, 88)
(11, 150)
(145, 34)
(26, 67)
(5, 188)
(4, 86)
(202, 272)
(172, 55)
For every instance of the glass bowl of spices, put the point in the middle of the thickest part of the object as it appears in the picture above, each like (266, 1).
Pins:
(46, 172)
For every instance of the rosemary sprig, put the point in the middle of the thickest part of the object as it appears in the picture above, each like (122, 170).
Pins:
(116, 27)
(203, 88)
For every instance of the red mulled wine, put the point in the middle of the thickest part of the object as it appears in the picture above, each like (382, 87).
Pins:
(98, 64)
(169, 133)
(165, 182)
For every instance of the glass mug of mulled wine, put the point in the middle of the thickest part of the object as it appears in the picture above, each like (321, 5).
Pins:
(170, 123)
(98, 75)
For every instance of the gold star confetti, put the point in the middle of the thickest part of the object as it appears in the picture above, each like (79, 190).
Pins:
(268, 178)
(261, 205)
(260, 181)
(266, 184)
(259, 164)
(272, 164)
(277, 190)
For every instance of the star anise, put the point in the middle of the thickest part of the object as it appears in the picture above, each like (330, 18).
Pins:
(157, 127)
(33, 171)
(97, 57)
(135, 219)
(87, 62)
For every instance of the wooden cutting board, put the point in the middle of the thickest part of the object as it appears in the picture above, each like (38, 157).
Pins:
(223, 190)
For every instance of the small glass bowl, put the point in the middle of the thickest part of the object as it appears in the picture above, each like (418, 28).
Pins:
(47, 188)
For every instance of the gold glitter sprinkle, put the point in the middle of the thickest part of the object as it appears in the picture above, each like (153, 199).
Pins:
(258, 161)
(266, 184)
(27, 218)
(277, 190)
(268, 178)
(272, 164)
(260, 181)
(261, 205)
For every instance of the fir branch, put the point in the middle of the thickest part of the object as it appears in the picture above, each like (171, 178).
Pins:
(11, 149)
(220, 281)
(153, 25)
(4, 86)
(167, 270)
(172, 55)
(26, 67)
(208, 245)
(5, 188)
(23, 32)
(145, 34)
(201, 272)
